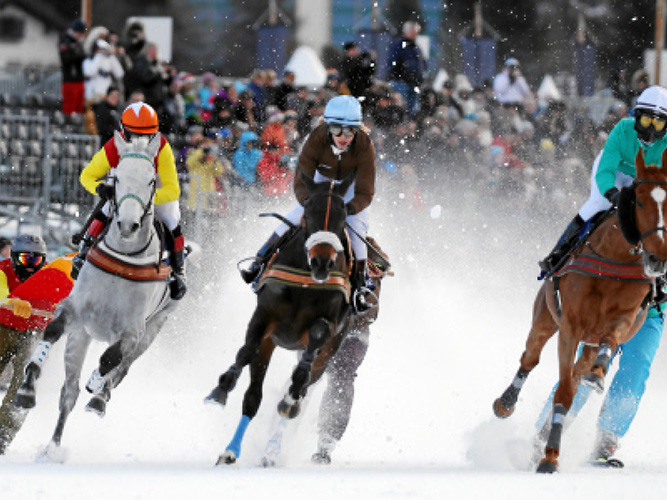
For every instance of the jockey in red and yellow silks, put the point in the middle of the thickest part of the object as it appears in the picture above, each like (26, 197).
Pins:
(138, 119)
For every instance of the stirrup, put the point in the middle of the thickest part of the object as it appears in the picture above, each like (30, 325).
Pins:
(253, 272)
(359, 303)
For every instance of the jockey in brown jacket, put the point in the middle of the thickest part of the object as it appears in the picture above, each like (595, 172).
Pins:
(335, 149)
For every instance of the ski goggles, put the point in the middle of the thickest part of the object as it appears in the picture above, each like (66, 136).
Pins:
(347, 130)
(30, 259)
(658, 122)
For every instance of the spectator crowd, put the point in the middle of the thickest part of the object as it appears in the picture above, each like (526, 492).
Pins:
(244, 135)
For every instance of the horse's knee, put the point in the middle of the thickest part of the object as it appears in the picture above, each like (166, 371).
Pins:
(111, 358)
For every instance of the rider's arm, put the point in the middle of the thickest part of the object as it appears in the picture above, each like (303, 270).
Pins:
(364, 181)
(610, 160)
(95, 170)
(307, 164)
(168, 188)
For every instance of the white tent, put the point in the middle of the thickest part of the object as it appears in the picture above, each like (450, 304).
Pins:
(548, 90)
(307, 67)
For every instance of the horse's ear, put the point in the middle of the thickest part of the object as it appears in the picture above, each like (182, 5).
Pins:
(345, 184)
(640, 163)
(154, 146)
(308, 181)
(121, 145)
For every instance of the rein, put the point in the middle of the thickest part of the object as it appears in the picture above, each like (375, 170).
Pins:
(657, 228)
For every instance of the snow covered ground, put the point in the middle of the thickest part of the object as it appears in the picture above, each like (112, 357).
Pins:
(453, 323)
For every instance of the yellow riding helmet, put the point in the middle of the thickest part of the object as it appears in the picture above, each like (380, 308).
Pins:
(139, 118)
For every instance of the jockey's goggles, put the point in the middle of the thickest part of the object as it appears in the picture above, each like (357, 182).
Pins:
(30, 259)
(658, 122)
(347, 130)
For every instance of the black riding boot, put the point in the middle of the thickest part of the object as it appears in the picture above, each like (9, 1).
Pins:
(360, 291)
(263, 255)
(177, 286)
(78, 260)
(565, 243)
(660, 292)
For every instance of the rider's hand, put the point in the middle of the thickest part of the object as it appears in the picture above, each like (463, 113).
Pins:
(612, 195)
(104, 191)
(20, 307)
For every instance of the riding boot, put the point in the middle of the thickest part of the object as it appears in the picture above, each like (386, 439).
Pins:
(565, 243)
(177, 285)
(92, 234)
(361, 291)
(263, 255)
(660, 292)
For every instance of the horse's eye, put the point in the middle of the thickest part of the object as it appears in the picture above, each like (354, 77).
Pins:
(640, 204)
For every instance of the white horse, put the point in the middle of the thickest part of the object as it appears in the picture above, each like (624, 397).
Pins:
(121, 296)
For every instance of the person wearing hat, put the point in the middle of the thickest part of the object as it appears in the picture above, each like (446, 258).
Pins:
(101, 71)
(72, 55)
(357, 69)
(510, 87)
(337, 148)
(27, 283)
(138, 120)
(614, 168)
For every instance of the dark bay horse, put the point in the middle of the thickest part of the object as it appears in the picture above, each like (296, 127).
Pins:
(302, 304)
(600, 298)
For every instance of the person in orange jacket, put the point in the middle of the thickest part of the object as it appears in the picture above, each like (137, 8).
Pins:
(30, 290)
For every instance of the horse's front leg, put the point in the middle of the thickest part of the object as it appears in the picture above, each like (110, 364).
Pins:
(542, 329)
(25, 396)
(256, 329)
(75, 352)
(567, 347)
(595, 379)
(318, 334)
(251, 400)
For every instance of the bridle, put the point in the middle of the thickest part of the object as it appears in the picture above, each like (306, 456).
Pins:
(656, 229)
(146, 206)
(324, 236)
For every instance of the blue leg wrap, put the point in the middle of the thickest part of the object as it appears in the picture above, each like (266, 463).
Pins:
(235, 443)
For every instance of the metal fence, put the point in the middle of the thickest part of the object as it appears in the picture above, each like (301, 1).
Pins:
(39, 175)
(40, 83)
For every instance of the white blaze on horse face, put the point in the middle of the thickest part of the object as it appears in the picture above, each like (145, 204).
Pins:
(658, 194)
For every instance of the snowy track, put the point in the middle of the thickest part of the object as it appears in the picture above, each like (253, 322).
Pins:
(447, 343)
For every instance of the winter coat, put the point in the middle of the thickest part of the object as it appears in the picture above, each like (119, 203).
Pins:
(246, 160)
(406, 62)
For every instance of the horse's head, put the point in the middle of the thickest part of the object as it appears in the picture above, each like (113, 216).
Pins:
(650, 187)
(324, 216)
(135, 183)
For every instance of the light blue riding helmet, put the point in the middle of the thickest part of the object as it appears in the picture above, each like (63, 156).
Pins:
(343, 110)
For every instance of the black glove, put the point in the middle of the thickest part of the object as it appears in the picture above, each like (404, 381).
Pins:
(104, 191)
(350, 209)
(612, 195)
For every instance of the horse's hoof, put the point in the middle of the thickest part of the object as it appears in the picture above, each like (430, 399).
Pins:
(594, 381)
(227, 458)
(217, 396)
(268, 463)
(547, 467)
(25, 398)
(500, 411)
(97, 406)
(321, 457)
(289, 408)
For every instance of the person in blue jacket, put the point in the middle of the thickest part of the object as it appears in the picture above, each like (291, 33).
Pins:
(615, 168)
(407, 66)
(247, 157)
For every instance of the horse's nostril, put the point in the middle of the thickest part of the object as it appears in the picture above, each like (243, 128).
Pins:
(135, 227)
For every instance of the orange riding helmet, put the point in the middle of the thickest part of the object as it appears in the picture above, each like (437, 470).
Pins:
(139, 118)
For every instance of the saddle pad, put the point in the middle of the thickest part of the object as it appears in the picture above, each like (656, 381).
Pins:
(292, 276)
(598, 267)
(132, 272)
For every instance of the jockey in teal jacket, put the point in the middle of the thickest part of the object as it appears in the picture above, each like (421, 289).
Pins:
(613, 169)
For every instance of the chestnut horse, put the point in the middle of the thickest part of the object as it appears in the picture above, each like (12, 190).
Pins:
(302, 304)
(600, 298)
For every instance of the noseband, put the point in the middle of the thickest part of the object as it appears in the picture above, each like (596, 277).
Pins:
(324, 236)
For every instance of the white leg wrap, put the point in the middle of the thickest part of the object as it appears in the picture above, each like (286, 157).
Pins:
(41, 354)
